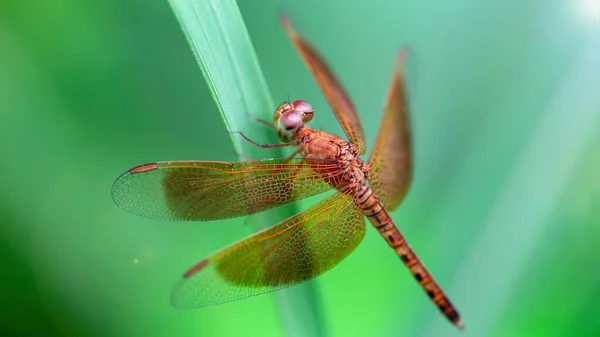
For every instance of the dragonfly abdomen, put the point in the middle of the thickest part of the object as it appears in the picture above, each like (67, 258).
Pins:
(372, 207)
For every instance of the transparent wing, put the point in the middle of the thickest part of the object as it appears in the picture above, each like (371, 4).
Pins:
(332, 89)
(390, 161)
(295, 250)
(208, 190)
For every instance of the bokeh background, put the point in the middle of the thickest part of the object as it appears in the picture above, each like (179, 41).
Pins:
(504, 209)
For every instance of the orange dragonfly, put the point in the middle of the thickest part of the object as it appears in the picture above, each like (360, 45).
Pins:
(309, 243)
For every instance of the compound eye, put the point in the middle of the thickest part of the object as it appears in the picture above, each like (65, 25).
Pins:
(291, 120)
(302, 106)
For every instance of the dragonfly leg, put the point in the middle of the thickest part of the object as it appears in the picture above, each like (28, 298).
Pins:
(264, 146)
(261, 121)
(292, 156)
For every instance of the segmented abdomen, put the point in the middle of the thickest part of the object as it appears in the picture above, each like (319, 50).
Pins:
(368, 202)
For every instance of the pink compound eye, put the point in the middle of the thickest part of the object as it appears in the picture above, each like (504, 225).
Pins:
(302, 106)
(291, 120)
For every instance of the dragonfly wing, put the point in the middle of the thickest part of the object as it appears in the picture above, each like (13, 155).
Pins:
(332, 89)
(390, 161)
(293, 251)
(208, 190)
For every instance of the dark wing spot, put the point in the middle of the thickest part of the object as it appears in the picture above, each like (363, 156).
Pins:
(144, 168)
(196, 268)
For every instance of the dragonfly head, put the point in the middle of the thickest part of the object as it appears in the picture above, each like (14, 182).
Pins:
(289, 117)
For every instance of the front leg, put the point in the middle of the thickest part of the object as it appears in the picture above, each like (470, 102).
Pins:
(263, 146)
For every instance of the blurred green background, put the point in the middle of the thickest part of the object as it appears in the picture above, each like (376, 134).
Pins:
(504, 209)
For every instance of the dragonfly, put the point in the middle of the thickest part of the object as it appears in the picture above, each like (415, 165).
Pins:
(309, 243)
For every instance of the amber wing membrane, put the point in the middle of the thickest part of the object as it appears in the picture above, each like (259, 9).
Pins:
(390, 161)
(295, 250)
(332, 89)
(208, 190)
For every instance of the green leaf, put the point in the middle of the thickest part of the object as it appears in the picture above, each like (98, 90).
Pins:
(219, 39)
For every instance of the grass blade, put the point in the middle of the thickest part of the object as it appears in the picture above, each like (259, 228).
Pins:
(222, 47)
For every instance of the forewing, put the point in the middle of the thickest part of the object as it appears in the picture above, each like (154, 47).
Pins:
(295, 250)
(208, 190)
(332, 89)
(391, 159)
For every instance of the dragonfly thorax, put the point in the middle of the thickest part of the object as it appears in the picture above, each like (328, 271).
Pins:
(289, 117)
(355, 170)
